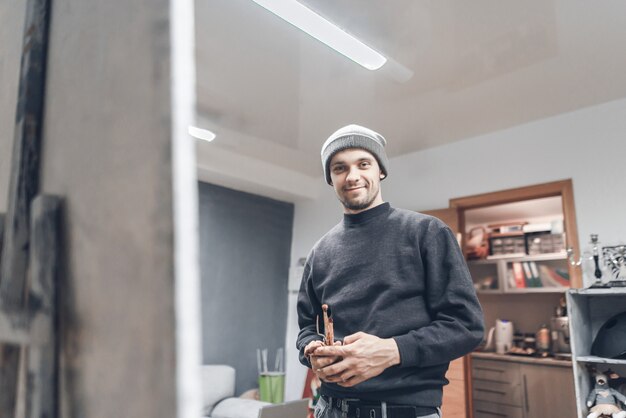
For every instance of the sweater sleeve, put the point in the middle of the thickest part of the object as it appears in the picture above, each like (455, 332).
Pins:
(307, 313)
(456, 325)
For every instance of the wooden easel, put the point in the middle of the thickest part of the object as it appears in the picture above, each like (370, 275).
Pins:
(29, 248)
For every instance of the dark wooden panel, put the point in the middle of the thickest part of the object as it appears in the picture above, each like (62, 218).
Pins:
(9, 360)
(24, 182)
(2, 218)
(23, 186)
(42, 391)
(28, 360)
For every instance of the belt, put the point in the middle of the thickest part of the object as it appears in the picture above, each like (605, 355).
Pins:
(357, 408)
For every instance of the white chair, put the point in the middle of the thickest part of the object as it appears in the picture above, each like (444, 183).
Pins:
(218, 391)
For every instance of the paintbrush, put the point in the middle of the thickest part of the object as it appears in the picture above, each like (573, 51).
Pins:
(329, 337)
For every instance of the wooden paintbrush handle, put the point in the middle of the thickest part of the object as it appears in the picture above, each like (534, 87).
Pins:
(329, 338)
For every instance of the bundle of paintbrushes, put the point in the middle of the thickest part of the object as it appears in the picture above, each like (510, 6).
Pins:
(262, 363)
(329, 335)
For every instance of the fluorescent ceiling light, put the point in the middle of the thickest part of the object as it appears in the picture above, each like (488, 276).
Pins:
(321, 29)
(201, 133)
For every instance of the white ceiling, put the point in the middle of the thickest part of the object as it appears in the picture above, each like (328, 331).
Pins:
(273, 94)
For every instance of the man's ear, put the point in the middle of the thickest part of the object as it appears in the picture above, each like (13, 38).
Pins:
(382, 175)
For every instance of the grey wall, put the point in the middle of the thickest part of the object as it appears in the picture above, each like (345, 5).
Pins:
(245, 245)
(107, 152)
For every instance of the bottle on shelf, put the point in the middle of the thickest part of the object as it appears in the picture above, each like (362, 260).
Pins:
(542, 341)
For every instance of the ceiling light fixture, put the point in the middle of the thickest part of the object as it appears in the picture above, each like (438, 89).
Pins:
(200, 133)
(321, 29)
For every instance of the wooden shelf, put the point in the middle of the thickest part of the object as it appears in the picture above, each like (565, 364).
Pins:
(538, 257)
(489, 292)
(524, 290)
(499, 268)
(611, 291)
(599, 360)
(547, 361)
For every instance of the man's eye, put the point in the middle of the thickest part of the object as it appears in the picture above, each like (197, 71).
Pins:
(365, 164)
(338, 168)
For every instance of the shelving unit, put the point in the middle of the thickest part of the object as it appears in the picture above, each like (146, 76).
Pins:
(497, 272)
(588, 310)
(527, 308)
(540, 203)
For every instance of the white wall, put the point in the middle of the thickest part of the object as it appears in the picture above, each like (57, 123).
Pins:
(588, 146)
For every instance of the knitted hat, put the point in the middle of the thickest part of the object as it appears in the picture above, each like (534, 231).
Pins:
(354, 136)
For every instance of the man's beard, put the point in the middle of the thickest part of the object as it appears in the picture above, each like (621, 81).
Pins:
(358, 203)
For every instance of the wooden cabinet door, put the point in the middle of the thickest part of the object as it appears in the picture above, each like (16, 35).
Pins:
(450, 216)
(454, 403)
(549, 391)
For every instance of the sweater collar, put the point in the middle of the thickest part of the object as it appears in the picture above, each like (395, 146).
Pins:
(366, 215)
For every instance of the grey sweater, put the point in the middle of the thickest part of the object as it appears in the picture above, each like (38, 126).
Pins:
(396, 274)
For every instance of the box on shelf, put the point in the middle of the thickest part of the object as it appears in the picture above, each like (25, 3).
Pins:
(508, 228)
(544, 242)
(509, 243)
(517, 239)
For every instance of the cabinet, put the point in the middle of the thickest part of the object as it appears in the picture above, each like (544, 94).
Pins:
(496, 386)
(505, 388)
(588, 310)
(549, 391)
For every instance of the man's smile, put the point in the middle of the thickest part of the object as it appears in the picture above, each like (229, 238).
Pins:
(354, 188)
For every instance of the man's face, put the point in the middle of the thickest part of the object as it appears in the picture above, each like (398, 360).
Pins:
(356, 176)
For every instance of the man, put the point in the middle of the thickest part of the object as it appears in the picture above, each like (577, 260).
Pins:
(398, 288)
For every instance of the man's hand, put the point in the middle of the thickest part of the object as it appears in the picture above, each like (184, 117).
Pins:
(318, 362)
(363, 356)
(312, 346)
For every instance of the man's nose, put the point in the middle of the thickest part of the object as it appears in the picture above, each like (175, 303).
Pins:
(353, 174)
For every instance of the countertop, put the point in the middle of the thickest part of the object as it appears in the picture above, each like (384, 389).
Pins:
(547, 361)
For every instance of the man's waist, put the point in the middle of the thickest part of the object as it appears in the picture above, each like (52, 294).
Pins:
(358, 408)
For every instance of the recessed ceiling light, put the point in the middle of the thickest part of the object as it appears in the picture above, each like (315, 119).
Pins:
(200, 133)
(321, 29)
